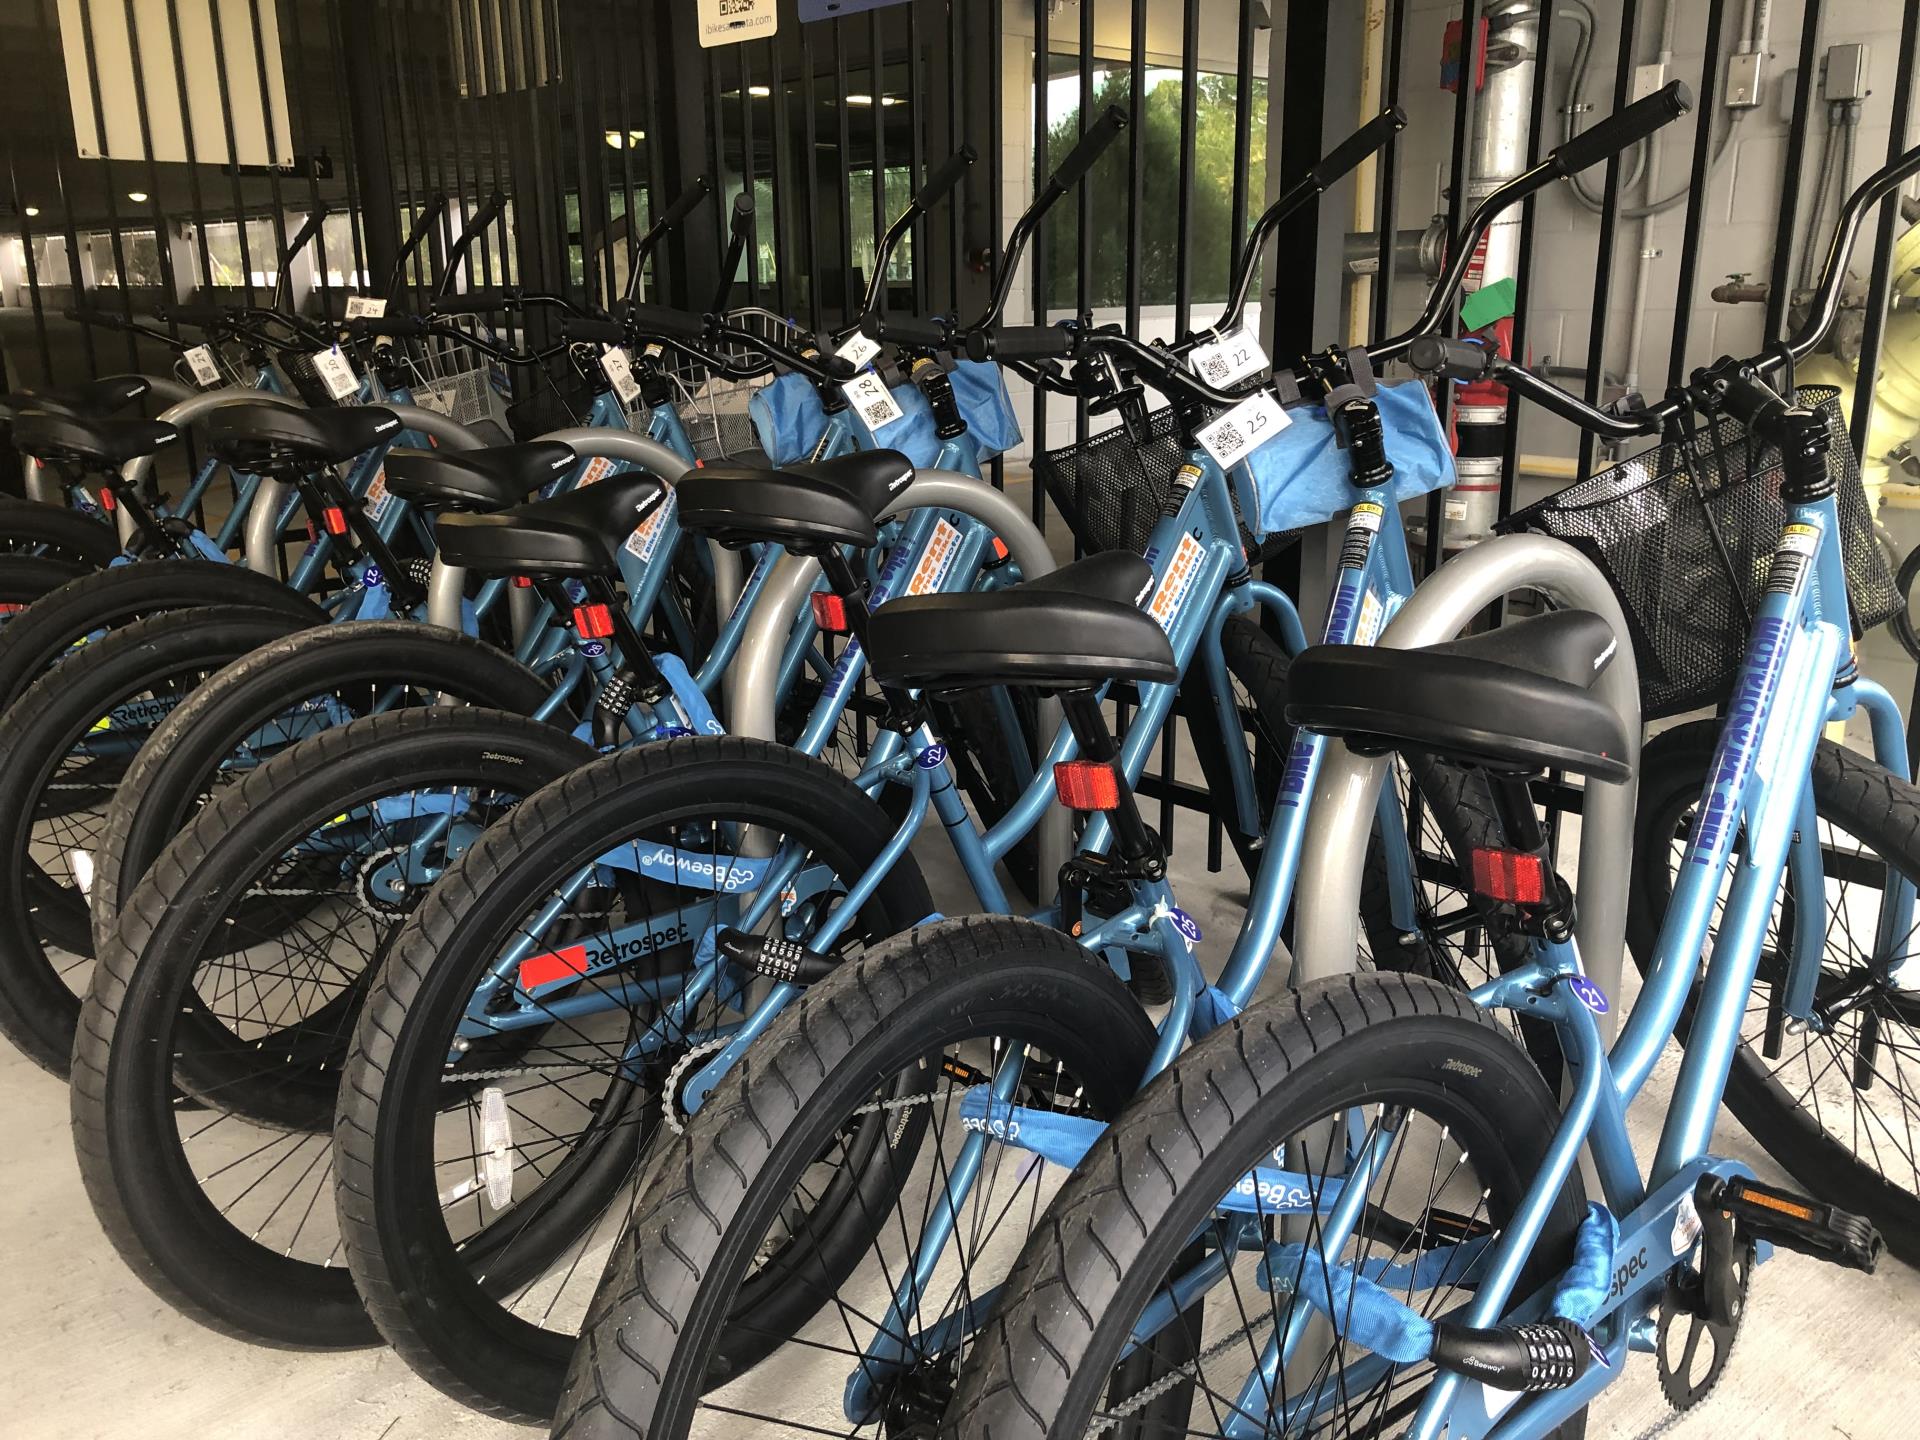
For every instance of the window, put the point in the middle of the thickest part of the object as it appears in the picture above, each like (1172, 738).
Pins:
(899, 192)
(138, 250)
(1211, 209)
(261, 262)
(336, 239)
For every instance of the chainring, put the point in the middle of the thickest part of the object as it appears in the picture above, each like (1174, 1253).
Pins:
(1684, 1326)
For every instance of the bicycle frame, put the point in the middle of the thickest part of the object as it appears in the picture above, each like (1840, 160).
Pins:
(1797, 675)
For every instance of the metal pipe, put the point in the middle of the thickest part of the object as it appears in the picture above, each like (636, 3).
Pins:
(1327, 894)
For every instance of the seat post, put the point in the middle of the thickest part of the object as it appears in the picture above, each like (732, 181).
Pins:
(1089, 722)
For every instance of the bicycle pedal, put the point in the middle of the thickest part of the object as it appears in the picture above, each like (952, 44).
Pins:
(777, 959)
(1794, 1222)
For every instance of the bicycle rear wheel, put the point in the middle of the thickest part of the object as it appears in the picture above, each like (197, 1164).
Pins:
(1465, 1121)
(1836, 1102)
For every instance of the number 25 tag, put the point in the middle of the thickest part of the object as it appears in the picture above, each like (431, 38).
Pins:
(1243, 429)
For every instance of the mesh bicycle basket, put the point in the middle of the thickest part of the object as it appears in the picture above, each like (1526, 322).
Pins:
(1110, 490)
(1644, 523)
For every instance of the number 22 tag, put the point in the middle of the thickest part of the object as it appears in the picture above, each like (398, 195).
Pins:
(1243, 429)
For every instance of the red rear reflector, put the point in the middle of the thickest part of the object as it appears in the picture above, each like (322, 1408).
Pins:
(555, 965)
(107, 501)
(830, 612)
(594, 622)
(523, 582)
(999, 548)
(11, 608)
(336, 520)
(1085, 785)
(1511, 876)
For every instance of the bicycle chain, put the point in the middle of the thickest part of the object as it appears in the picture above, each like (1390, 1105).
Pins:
(1140, 1399)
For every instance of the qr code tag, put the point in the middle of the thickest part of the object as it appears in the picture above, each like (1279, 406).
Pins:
(366, 307)
(1243, 429)
(335, 373)
(619, 372)
(872, 401)
(857, 350)
(201, 362)
(1234, 356)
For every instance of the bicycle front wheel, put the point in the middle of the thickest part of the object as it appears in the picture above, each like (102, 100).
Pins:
(1459, 1121)
(882, 1055)
(1837, 1101)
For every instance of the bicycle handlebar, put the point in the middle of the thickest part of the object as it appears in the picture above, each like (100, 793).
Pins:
(1621, 129)
(1070, 171)
(1021, 342)
(490, 210)
(936, 186)
(1347, 155)
(909, 331)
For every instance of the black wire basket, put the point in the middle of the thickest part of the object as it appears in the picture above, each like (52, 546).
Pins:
(1650, 524)
(1110, 490)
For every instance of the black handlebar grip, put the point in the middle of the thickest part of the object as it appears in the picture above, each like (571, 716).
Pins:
(201, 315)
(463, 305)
(743, 213)
(307, 231)
(1444, 355)
(688, 202)
(1358, 146)
(495, 204)
(106, 319)
(423, 223)
(905, 330)
(392, 325)
(1021, 342)
(597, 332)
(945, 178)
(665, 320)
(1623, 128)
(1080, 159)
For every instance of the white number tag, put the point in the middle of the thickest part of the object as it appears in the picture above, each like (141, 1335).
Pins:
(619, 372)
(1243, 429)
(1234, 356)
(335, 373)
(365, 307)
(857, 350)
(201, 362)
(872, 401)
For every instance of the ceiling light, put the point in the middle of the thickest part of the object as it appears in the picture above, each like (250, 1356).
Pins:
(891, 100)
(617, 141)
(32, 210)
(759, 92)
(859, 99)
(138, 197)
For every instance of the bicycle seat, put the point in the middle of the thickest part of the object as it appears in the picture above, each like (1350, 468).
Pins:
(260, 435)
(579, 533)
(1514, 698)
(91, 441)
(490, 479)
(95, 399)
(1082, 625)
(804, 507)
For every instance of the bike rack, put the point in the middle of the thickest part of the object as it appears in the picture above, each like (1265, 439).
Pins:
(751, 681)
(1327, 897)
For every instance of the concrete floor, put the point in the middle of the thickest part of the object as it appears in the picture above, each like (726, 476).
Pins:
(93, 1355)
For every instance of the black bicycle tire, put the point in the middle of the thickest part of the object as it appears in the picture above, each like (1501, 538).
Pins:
(426, 1305)
(69, 534)
(141, 1187)
(1872, 805)
(166, 776)
(1109, 1236)
(49, 630)
(645, 1357)
(38, 1010)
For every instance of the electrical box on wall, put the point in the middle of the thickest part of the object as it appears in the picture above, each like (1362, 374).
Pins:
(1743, 80)
(1846, 77)
(1647, 79)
